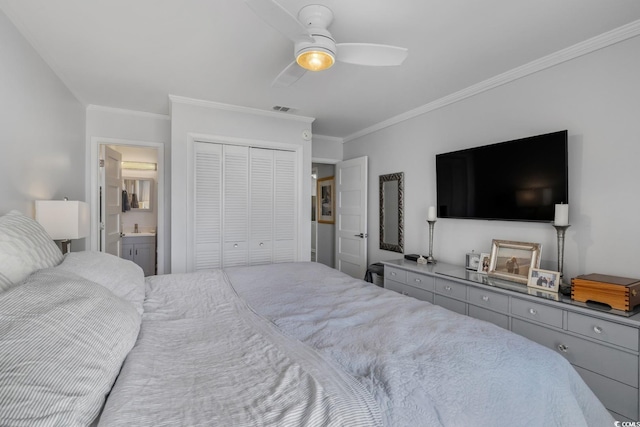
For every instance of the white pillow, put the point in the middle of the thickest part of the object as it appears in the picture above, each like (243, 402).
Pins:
(24, 248)
(122, 277)
(63, 340)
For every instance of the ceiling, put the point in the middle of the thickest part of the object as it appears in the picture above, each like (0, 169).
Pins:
(132, 54)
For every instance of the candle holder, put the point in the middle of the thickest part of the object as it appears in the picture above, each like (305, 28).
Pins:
(430, 258)
(560, 230)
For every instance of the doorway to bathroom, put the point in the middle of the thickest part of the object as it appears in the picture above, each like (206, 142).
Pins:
(127, 196)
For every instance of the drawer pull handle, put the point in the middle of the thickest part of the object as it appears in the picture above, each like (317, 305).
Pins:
(235, 245)
(563, 348)
(261, 244)
(485, 298)
(447, 288)
(417, 280)
(597, 329)
(393, 273)
(533, 311)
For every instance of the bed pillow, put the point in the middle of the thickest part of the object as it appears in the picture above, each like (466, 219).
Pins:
(63, 340)
(24, 248)
(122, 277)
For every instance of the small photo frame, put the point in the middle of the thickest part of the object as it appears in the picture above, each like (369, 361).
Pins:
(544, 280)
(472, 261)
(485, 261)
(513, 260)
(326, 200)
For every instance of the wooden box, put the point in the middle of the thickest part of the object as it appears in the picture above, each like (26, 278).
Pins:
(621, 293)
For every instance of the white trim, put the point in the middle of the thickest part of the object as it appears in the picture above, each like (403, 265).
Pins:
(239, 109)
(321, 138)
(588, 46)
(93, 107)
(325, 161)
(93, 167)
(192, 138)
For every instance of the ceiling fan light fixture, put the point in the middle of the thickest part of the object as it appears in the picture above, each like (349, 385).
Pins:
(315, 59)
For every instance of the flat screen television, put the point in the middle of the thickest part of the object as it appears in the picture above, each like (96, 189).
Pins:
(519, 180)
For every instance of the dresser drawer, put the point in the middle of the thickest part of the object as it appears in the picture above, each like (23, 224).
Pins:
(615, 396)
(501, 320)
(538, 312)
(610, 362)
(488, 299)
(395, 274)
(450, 304)
(603, 330)
(420, 281)
(403, 289)
(451, 289)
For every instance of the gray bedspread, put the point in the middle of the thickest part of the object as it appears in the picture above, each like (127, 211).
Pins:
(203, 358)
(425, 365)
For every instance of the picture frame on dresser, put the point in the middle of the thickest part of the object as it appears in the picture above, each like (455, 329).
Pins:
(544, 280)
(485, 261)
(511, 260)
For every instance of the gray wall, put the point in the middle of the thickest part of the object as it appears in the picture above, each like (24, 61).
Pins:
(42, 125)
(596, 97)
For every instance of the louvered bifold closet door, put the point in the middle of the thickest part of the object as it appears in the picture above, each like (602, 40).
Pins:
(235, 205)
(285, 209)
(261, 207)
(208, 202)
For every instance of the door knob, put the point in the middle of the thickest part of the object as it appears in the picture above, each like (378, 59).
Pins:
(361, 235)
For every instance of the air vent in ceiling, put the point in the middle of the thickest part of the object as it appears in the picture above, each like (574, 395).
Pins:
(281, 108)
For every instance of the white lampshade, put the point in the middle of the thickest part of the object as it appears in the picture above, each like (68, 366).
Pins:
(63, 219)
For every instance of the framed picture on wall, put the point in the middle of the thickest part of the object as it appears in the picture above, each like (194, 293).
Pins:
(326, 200)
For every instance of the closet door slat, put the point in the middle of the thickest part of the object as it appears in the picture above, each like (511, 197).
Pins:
(208, 200)
(235, 205)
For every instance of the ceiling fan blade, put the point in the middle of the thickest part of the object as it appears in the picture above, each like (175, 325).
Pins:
(379, 55)
(280, 19)
(289, 75)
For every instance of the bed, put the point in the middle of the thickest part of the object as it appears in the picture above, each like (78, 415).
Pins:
(85, 338)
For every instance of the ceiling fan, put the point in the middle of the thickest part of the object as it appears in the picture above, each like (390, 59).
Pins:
(314, 47)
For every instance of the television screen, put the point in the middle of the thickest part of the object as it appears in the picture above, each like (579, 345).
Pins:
(520, 180)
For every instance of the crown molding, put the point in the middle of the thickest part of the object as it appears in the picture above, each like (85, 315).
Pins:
(93, 107)
(583, 48)
(320, 138)
(238, 109)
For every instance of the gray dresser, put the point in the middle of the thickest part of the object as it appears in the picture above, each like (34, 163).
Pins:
(603, 346)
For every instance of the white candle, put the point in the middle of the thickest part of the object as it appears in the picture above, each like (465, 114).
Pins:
(431, 214)
(562, 215)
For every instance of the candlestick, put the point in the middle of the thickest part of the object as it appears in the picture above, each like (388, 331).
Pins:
(430, 258)
(560, 230)
(562, 215)
(431, 213)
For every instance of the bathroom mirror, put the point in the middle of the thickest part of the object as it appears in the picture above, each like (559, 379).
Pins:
(392, 212)
(139, 191)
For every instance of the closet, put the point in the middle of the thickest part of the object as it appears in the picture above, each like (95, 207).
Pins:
(245, 205)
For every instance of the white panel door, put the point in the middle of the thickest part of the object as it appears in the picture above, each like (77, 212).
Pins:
(111, 201)
(235, 205)
(207, 206)
(261, 211)
(351, 217)
(286, 207)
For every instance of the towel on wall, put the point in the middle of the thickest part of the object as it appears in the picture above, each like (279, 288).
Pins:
(125, 201)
